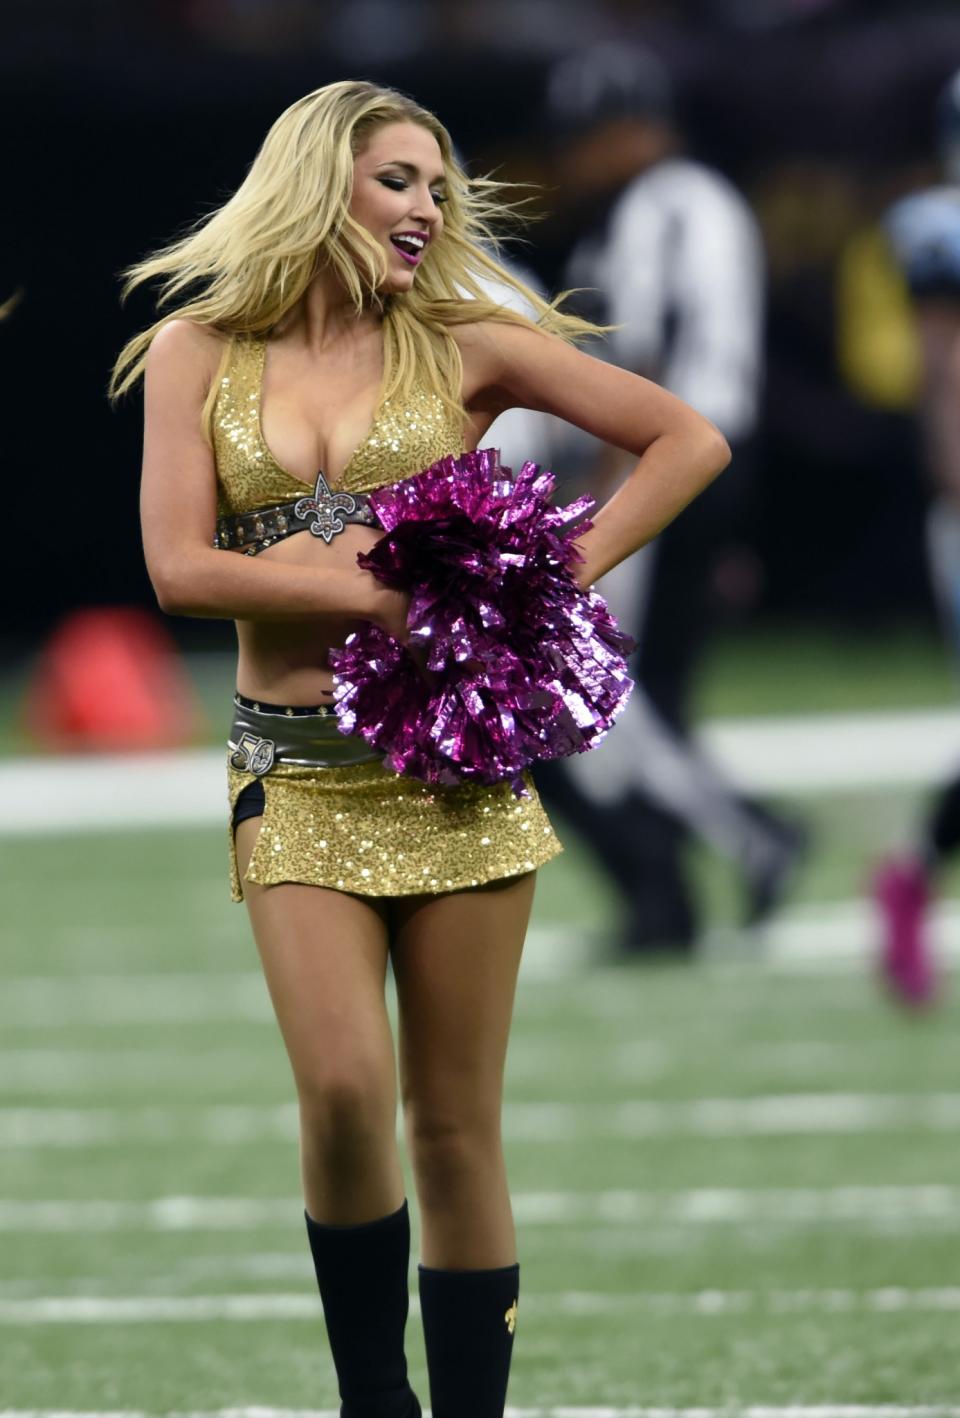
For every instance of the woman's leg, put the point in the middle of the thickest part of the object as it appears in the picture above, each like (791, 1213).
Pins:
(456, 958)
(324, 956)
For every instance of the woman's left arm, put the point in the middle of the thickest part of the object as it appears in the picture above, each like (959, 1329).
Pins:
(679, 451)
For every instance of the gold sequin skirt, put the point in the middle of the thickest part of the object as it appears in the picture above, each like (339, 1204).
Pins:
(360, 827)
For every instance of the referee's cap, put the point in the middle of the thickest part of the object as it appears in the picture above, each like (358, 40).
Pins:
(924, 231)
(605, 82)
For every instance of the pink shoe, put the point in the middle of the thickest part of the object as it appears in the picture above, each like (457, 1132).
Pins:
(902, 891)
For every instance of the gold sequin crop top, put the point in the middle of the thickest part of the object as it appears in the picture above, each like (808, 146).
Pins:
(400, 442)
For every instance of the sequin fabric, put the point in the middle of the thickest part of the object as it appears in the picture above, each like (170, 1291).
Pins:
(364, 829)
(400, 441)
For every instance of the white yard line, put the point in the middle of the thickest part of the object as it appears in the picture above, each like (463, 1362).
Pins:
(842, 1410)
(778, 1115)
(61, 1073)
(135, 998)
(232, 1308)
(706, 1206)
(77, 1071)
(830, 937)
(801, 755)
(839, 935)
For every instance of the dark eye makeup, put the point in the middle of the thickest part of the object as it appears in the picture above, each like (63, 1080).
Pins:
(397, 184)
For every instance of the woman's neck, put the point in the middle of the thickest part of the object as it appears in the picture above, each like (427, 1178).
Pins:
(327, 316)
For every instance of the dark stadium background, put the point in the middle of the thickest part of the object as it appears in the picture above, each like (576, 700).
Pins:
(120, 124)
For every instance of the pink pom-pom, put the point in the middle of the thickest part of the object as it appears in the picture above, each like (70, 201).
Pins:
(520, 663)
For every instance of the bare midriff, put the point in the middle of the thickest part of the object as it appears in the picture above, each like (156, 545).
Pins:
(286, 662)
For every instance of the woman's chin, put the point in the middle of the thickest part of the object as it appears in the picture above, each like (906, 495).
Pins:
(397, 282)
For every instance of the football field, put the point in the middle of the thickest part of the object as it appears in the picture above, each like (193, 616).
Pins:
(736, 1182)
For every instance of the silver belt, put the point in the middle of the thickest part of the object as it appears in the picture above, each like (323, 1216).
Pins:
(325, 514)
(260, 739)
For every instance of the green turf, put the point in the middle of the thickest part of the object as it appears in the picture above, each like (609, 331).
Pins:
(811, 669)
(717, 1360)
(122, 908)
(130, 990)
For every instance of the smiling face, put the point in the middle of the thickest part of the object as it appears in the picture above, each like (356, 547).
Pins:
(398, 192)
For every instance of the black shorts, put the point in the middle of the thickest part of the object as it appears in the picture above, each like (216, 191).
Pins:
(249, 804)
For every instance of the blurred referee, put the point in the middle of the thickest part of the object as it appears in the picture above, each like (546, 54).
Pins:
(671, 253)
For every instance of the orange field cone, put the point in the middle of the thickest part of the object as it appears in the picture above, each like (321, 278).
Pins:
(111, 678)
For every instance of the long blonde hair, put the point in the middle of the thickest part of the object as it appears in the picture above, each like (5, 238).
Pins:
(242, 269)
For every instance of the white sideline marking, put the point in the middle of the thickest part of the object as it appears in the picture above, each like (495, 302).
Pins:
(79, 793)
(796, 754)
(700, 1206)
(193, 1309)
(779, 1115)
(814, 753)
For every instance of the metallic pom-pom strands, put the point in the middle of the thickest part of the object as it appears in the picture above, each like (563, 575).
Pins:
(521, 664)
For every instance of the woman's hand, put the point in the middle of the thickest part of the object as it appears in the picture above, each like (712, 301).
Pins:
(389, 609)
(369, 597)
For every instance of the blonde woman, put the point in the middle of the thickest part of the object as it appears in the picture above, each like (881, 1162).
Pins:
(330, 316)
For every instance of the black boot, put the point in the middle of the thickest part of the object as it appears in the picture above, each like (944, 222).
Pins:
(469, 1317)
(362, 1275)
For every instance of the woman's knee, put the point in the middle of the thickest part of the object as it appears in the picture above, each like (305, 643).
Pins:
(450, 1147)
(347, 1099)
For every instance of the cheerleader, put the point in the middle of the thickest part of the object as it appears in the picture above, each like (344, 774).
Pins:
(326, 333)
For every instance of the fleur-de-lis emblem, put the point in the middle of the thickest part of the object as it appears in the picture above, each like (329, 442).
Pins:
(511, 1317)
(325, 505)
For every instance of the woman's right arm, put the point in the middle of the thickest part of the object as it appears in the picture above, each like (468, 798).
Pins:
(178, 510)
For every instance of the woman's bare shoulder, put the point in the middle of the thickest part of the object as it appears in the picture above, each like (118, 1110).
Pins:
(184, 357)
(490, 335)
(188, 345)
(491, 349)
